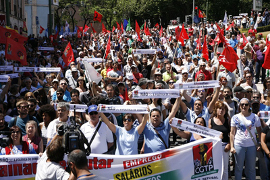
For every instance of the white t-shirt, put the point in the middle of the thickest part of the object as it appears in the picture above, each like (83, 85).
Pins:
(52, 130)
(242, 136)
(50, 170)
(103, 136)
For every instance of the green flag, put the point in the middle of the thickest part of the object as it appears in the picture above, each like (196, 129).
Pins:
(128, 25)
(142, 26)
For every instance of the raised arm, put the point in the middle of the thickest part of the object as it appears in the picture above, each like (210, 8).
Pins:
(186, 96)
(154, 60)
(175, 108)
(135, 60)
(143, 123)
(110, 125)
(214, 99)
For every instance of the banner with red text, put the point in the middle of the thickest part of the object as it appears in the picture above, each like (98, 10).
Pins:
(196, 160)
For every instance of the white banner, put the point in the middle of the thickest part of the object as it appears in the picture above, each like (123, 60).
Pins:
(6, 68)
(91, 73)
(4, 78)
(197, 85)
(133, 109)
(265, 115)
(78, 107)
(92, 59)
(199, 160)
(46, 48)
(37, 69)
(155, 93)
(194, 128)
(144, 51)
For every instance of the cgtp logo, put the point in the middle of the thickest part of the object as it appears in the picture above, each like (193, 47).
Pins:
(136, 93)
(179, 123)
(20, 54)
(203, 160)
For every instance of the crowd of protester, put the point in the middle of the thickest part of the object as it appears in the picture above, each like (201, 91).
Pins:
(27, 106)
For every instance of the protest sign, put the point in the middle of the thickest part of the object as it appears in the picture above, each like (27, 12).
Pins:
(92, 59)
(77, 107)
(200, 159)
(4, 77)
(194, 128)
(6, 68)
(46, 48)
(133, 109)
(155, 93)
(91, 73)
(144, 51)
(37, 69)
(197, 85)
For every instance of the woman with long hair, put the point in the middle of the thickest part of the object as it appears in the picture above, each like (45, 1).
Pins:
(243, 140)
(81, 85)
(220, 121)
(16, 144)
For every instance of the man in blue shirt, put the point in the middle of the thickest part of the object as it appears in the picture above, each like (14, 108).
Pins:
(233, 42)
(156, 133)
(257, 96)
(63, 85)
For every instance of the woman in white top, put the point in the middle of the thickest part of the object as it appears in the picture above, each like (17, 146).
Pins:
(243, 139)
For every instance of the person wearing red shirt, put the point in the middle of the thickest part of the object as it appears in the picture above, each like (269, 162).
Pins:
(252, 30)
(190, 30)
(136, 75)
(202, 70)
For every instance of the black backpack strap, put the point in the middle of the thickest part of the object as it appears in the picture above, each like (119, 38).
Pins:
(93, 137)
(161, 138)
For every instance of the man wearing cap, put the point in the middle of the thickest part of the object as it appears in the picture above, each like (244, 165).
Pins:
(239, 93)
(103, 139)
(229, 76)
(72, 80)
(257, 96)
(207, 74)
(129, 83)
(115, 75)
(158, 75)
(63, 84)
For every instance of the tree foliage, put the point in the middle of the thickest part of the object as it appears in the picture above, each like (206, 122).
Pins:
(161, 11)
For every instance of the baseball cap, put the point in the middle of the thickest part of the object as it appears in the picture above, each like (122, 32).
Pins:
(239, 89)
(55, 80)
(92, 108)
(184, 71)
(129, 76)
(158, 72)
(74, 69)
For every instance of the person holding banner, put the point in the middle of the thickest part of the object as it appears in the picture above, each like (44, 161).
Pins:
(220, 121)
(243, 140)
(156, 133)
(127, 136)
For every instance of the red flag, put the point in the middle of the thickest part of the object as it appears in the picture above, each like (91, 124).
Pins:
(170, 38)
(113, 29)
(68, 55)
(199, 44)
(266, 64)
(157, 25)
(118, 26)
(146, 30)
(41, 29)
(184, 34)
(94, 31)
(122, 28)
(5, 33)
(217, 39)
(108, 48)
(126, 95)
(224, 61)
(245, 41)
(138, 29)
(86, 28)
(230, 26)
(19, 38)
(200, 14)
(205, 50)
(267, 42)
(79, 31)
(97, 16)
(15, 51)
(161, 31)
(178, 35)
(103, 28)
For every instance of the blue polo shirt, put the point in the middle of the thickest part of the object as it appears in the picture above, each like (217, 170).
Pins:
(191, 115)
(152, 142)
(192, 101)
(66, 97)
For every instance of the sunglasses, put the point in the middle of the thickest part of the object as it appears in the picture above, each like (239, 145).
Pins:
(60, 94)
(64, 84)
(256, 97)
(93, 113)
(23, 107)
(129, 120)
(201, 90)
(249, 91)
(14, 132)
(248, 76)
(31, 105)
(171, 82)
(203, 65)
(244, 104)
